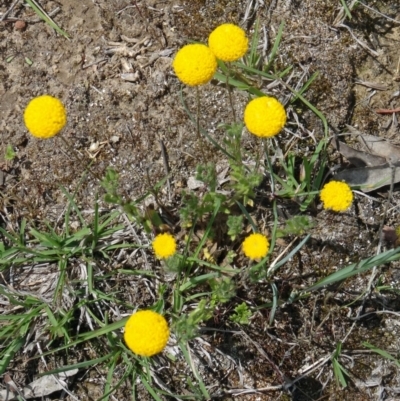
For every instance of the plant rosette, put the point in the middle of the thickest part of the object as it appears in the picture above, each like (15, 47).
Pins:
(264, 116)
(45, 116)
(146, 333)
(255, 246)
(337, 196)
(228, 42)
(195, 64)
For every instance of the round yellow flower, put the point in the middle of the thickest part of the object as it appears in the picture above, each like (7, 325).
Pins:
(255, 246)
(264, 116)
(337, 196)
(45, 116)
(228, 42)
(146, 333)
(164, 245)
(195, 64)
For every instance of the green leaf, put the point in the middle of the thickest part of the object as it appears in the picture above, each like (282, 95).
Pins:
(242, 314)
(10, 154)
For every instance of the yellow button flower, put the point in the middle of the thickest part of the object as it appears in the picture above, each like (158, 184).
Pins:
(255, 246)
(164, 245)
(228, 42)
(264, 116)
(146, 333)
(195, 64)
(45, 116)
(337, 196)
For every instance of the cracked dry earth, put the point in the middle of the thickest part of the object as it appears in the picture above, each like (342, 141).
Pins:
(124, 107)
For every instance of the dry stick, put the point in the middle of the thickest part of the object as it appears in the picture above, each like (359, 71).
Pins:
(388, 111)
(3, 17)
(32, 21)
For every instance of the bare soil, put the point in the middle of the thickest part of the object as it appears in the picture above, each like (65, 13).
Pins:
(114, 76)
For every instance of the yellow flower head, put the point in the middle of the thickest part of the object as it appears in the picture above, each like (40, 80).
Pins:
(195, 64)
(146, 333)
(228, 42)
(264, 116)
(45, 116)
(255, 246)
(337, 196)
(164, 245)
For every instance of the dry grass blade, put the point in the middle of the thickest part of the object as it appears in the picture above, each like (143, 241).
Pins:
(4, 16)
(360, 42)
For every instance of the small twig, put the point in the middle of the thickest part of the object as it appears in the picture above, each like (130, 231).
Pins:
(94, 63)
(388, 111)
(377, 12)
(360, 42)
(3, 17)
(31, 21)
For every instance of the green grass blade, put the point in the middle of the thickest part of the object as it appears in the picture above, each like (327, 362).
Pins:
(111, 368)
(248, 217)
(288, 256)
(311, 107)
(90, 335)
(9, 352)
(195, 281)
(253, 58)
(128, 370)
(305, 86)
(80, 365)
(357, 268)
(149, 388)
(42, 14)
(208, 228)
(274, 307)
(338, 370)
(275, 47)
(346, 9)
(213, 266)
(382, 352)
(185, 350)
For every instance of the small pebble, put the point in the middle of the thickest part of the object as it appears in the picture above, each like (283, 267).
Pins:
(20, 25)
